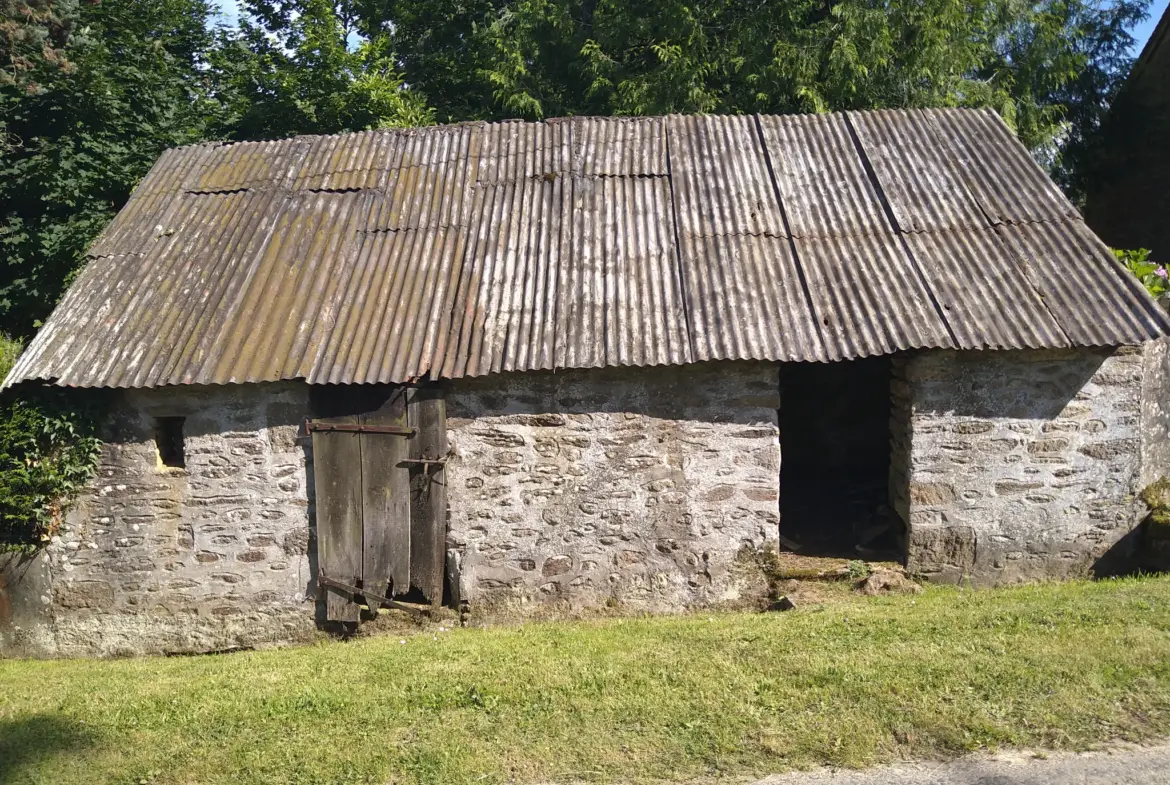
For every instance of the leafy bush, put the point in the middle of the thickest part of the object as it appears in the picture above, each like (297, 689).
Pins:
(1151, 274)
(9, 351)
(48, 451)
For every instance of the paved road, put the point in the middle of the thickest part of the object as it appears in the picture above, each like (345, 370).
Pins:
(1122, 766)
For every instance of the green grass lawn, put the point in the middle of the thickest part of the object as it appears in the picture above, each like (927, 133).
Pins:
(852, 683)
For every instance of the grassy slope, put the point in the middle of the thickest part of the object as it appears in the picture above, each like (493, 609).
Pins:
(852, 684)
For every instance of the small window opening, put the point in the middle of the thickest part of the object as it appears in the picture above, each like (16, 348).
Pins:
(168, 437)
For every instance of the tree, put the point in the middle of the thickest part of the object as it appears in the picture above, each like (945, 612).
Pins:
(1087, 98)
(302, 67)
(80, 137)
(1043, 65)
(32, 32)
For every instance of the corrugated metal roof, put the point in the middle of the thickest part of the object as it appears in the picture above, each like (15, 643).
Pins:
(1005, 181)
(459, 250)
(618, 146)
(619, 299)
(505, 311)
(746, 301)
(820, 177)
(1082, 284)
(868, 298)
(984, 293)
(914, 172)
(720, 178)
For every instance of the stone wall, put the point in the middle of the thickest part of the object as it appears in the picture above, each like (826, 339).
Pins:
(159, 559)
(1023, 464)
(1155, 411)
(644, 488)
(637, 488)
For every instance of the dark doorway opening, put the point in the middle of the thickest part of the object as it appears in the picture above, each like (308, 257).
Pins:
(835, 459)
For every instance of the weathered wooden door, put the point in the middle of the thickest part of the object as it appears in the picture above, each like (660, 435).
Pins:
(381, 503)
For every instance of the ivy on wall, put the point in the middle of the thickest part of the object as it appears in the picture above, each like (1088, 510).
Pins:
(49, 449)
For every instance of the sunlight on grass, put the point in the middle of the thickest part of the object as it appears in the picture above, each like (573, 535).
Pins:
(631, 700)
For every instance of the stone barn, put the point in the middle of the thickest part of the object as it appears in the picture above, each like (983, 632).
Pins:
(536, 368)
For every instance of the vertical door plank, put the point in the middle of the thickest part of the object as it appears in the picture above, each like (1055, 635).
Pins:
(337, 467)
(386, 500)
(427, 411)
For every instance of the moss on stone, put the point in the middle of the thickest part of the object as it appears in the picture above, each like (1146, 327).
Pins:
(1157, 494)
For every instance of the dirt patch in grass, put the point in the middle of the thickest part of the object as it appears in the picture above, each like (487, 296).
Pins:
(851, 682)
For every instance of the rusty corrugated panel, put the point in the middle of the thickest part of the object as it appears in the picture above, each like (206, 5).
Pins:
(178, 169)
(1007, 184)
(349, 161)
(431, 186)
(253, 165)
(822, 181)
(1093, 299)
(136, 226)
(236, 294)
(614, 146)
(84, 309)
(985, 295)
(720, 177)
(183, 303)
(619, 300)
(390, 317)
(867, 297)
(746, 301)
(918, 179)
(146, 215)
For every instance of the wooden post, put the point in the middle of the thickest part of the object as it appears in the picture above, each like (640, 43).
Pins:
(428, 509)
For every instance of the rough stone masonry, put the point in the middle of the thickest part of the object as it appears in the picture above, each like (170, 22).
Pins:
(645, 488)
(642, 488)
(156, 559)
(1016, 465)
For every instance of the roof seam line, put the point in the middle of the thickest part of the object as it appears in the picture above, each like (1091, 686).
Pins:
(682, 285)
(790, 237)
(1022, 264)
(889, 211)
(964, 171)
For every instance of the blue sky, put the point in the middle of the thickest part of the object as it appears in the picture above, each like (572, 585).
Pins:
(229, 12)
(1142, 32)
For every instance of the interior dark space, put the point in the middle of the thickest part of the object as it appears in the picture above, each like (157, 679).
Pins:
(835, 459)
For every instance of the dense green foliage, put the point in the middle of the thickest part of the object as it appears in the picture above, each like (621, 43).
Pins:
(1045, 66)
(32, 33)
(9, 351)
(290, 70)
(48, 450)
(1152, 275)
(79, 138)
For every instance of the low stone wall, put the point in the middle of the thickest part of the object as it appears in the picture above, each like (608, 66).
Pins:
(1022, 464)
(645, 488)
(157, 559)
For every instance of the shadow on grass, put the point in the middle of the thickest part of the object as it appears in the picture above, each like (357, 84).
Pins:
(24, 743)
